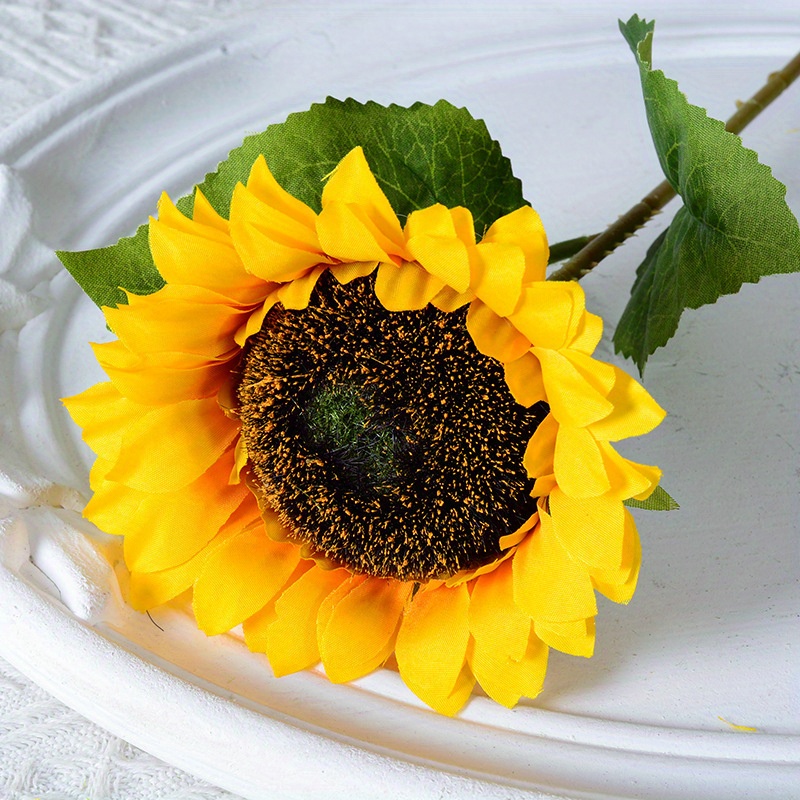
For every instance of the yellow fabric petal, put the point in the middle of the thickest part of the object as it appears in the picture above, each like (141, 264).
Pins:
(590, 529)
(579, 466)
(541, 448)
(524, 229)
(524, 380)
(451, 704)
(573, 400)
(112, 504)
(499, 626)
(575, 638)
(510, 539)
(205, 214)
(432, 643)
(588, 335)
(297, 293)
(507, 680)
(345, 235)
(256, 318)
(271, 260)
(628, 478)
(619, 585)
(183, 319)
(360, 630)
(239, 578)
(168, 529)
(406, 287)
(634, 410)
(463, 224)
(169, 215)
(170, 446)
(543, 485)
(349, 271)
(450, 300)
(549, 313)
(548, 583)
(447, 259)
(195, 258)
(263, 186)
(239, 461)
(102, 413)
(142, 381)
(255, 628)
(435, 221)
(495, 336)
(151, 589)
(497, 274)
(291, 640)
(353, 183)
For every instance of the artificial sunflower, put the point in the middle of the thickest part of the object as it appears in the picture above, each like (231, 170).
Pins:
(367, 441)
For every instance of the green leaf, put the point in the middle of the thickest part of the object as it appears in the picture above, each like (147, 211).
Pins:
(734, 227)
(103, 273)
(659, 500)
(420, 156)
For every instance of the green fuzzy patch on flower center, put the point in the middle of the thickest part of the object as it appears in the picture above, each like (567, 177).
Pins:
(384, 439)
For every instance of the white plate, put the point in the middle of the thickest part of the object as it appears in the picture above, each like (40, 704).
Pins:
(713, 629)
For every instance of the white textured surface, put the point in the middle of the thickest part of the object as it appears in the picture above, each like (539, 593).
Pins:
(713, 630)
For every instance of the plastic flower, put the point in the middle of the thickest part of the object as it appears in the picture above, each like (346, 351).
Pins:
(364, 440)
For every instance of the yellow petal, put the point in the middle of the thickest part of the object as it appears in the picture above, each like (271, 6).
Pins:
(169, 215)
(291, 640)
(573, 400)
(346, 235)
(112, 504)
(510, 539)
(350, 270)
(588, 335)
(144, 382)
(239, 461)
(628, 478)
(524, 380)
(102, 412)
(590, 529)
(506, 680)
(168, 529)
(151, 589)
(575, 638)
(169, 447)
(352, 182)
(271, 260)
(183, 319)
(497, 274)
(619, 585)
(634, 410)
(205, 214)
(194, 259)
(541, 448)
(463, 224)
(297, 293)
(450, 300)
(578, 464)
(548, 583)
(255, 319)
(262, 184)
(524, 229)
(495, 622)
(452, 703)
(406, 287)
(432, 643)
(549, 313)
(493, 335)
(360, 630)
(435, 221)
(239, 578)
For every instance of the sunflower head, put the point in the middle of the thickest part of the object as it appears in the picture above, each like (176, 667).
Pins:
(361, 436)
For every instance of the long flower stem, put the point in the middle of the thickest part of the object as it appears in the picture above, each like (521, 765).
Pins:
(600, 246)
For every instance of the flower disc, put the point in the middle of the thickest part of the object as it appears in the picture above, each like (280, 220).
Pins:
(384, 439)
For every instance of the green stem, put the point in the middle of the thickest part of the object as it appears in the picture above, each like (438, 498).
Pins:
(568, 248)
(623, 228)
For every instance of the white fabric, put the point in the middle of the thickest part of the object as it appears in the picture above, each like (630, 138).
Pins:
(47, 751)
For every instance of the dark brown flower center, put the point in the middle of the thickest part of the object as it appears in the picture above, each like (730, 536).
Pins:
(384, 439)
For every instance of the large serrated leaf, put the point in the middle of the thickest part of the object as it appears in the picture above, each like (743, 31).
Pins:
(734, 227)
(420, 155)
